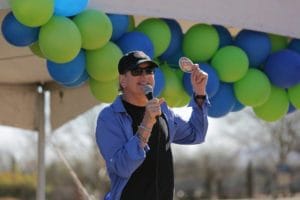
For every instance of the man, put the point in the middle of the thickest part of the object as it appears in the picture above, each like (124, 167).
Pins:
(134, 133)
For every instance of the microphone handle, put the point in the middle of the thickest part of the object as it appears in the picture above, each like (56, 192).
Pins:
(149, 96)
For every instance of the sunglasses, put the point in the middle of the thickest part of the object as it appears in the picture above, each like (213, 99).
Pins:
(139, 71)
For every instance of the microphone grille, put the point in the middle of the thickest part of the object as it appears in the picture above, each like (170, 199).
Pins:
(148, 89)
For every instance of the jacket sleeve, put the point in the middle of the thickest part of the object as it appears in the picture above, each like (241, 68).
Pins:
(194, 130)
(122, 156)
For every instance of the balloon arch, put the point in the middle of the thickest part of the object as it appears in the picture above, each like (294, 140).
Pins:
(253, 68)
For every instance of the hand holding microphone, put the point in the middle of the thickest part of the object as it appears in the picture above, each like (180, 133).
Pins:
(153, 109)
(152, 112)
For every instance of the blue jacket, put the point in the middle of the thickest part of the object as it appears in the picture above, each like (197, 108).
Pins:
(120, 147)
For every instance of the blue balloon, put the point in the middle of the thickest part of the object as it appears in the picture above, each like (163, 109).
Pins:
(159, 82)
(82, 79)
(224, 35)
(69, 7)
(256, 45)
(213, 82)
(172, 60)
(237, 106)
(291, 108)
(68, 73)
(16, 33)
(186, 79)
(283, 68)
(135, 40)
(120, 24)
(294, 45)
(223, 102)
(176, 38)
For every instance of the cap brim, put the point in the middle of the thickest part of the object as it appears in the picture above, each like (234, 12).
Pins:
(150, 62)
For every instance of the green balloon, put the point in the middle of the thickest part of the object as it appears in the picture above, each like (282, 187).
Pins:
(200, 42)
(32, 13)
(158, 32)
(184, 99)
(35, 49)
(105, 92)
(294, 95)
(60, 39)
(253, 89)
(102, 64)
(275, 107)
(278, 42)
(231, 63)
(95, 28)
(173, 89)
(131, 25)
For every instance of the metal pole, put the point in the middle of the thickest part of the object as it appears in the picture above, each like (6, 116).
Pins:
(41, 177)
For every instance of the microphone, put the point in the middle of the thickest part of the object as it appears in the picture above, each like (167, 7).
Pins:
(148, 90)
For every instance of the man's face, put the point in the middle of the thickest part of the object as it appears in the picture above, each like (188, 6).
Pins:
(134, 81)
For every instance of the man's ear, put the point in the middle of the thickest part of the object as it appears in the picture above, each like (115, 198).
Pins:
(122, 80)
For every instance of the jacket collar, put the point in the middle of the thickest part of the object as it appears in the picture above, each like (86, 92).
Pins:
(117, 105)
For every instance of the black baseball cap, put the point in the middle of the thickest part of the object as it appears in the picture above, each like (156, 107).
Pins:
(132, 60)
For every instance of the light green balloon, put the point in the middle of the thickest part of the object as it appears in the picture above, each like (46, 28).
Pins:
(275, 107)
(95, 28)
(200, 42)
(35, 48)
(104, 92)
(253, 89)
(131, 25)
(32, 13)
(231, 63)
(278, 42)
(158, 32)
(294, 95)
(102, 64)
(173, 90)
(60, 39)
(184, 99)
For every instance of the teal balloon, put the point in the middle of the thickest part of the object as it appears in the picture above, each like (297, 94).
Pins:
(32, 13)
(102, 64)
(231, 63)
(60, 40)
(275, 107)
(200, 42)
(69, 7)
(104, 92)
(159, 33)
(294, 95)
(95, 28)
(253, 89)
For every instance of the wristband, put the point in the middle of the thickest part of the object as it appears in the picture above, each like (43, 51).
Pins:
(145, 128)
(142, 138)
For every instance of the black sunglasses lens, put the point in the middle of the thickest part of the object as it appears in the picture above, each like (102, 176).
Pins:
(136, 72)
(139, 71)
(149, 70)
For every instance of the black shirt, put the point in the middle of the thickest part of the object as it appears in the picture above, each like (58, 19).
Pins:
(154, 178)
